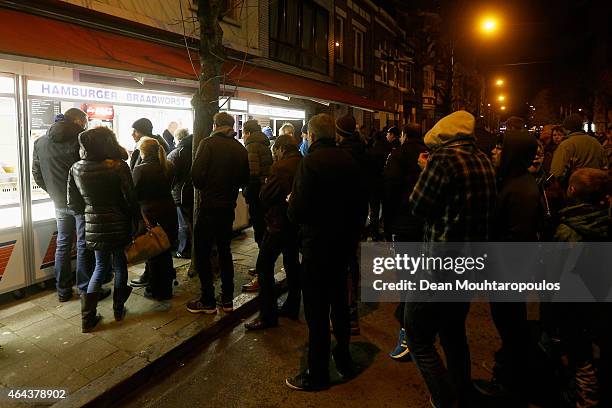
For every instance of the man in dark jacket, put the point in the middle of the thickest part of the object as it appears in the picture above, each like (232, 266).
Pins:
(260, 161)
(220, 168)
(378, 153)
(54, 154)
(168, 135)
(143, 127)
(518, 213)
(401, 174)
(327, 203)
(182, 190)
(348, 140)
(280, 237)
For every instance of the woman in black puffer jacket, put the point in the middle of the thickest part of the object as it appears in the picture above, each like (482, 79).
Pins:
(153, 183)
(100, 186)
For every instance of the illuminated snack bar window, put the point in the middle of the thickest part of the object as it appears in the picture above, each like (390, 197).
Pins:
(10, 209)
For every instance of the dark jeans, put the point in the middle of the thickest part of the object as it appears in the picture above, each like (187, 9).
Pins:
(185, 227)
(214, 225)
(324, 288)
(256, 216)
(423, 322)
(353, 283)
(105, 260)
(161, 273)
(375, 203)
(67, 223)
(511, 360)
(273, 244)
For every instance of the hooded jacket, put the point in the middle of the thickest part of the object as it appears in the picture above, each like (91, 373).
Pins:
(182, 186)
(260, 162)
(455, 193)
(401, 174)
(100, 186)
(220, 169)
(54, 154)
(584, 222)
(518, 210)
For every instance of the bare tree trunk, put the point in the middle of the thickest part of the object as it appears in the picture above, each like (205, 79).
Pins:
(206, 99)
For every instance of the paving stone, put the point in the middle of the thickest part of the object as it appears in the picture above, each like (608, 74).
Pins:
(66, 310)
(86, 353)
(177, 324)
(16, 351)
(14, 307)
(25, 317)
(53, 334)
(105, 364)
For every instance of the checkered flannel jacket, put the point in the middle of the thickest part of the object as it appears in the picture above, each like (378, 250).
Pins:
(456, 194)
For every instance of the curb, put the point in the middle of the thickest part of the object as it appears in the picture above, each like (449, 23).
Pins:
(136, 371)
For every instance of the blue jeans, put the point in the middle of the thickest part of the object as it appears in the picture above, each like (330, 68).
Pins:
(185, 215)
(105, 260)
(67, 223)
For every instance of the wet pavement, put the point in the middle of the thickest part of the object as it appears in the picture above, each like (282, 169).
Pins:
(41, 344)
(246, 369)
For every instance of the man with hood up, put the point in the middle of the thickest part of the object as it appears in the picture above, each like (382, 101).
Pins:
(517, 217)
(455, 196)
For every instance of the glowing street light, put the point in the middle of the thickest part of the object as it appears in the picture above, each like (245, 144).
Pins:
(488, 25)
(337, 44)
(503, 108)
(499, 82)
(501, 98)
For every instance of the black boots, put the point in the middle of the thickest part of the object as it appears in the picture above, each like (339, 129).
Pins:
(89, 316)
(120, 295)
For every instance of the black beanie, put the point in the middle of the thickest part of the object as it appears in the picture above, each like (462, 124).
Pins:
(144, 126)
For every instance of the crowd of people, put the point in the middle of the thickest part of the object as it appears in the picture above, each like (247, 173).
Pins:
(313, 196)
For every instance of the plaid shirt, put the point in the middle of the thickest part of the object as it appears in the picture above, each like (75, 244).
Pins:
(455, 194)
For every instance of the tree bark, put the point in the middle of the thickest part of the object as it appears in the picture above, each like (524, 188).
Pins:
(205, 101)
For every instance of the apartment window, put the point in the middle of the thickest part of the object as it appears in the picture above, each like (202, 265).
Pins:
(299, 32)
(339, 39)
(384, 77)
(230, 10)
(358, 55)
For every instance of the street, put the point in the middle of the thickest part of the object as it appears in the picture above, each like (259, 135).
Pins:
(243, 369)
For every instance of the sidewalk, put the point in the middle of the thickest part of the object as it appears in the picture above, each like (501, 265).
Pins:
(42, 345)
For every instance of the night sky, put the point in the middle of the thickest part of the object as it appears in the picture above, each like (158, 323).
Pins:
(561, 40)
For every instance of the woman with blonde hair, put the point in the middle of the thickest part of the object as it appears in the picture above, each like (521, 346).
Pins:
(153, 181)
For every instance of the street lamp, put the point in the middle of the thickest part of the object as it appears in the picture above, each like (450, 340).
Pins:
(489, 25)
(503, 108)
(499, 82)
(501, 98)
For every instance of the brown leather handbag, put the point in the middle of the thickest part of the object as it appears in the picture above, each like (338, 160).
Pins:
(152, 243)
